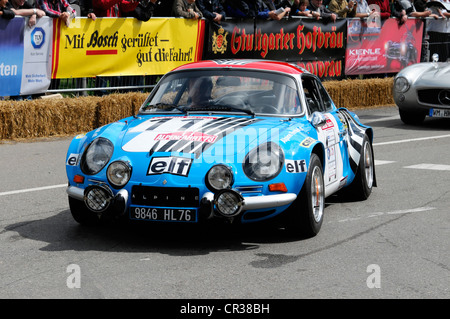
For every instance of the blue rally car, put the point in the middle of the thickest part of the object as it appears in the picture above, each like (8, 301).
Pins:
(234, 140)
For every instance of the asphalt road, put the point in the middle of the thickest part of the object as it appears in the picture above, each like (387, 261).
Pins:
(394, 245)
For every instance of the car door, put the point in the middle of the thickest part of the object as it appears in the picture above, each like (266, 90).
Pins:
(331, 132)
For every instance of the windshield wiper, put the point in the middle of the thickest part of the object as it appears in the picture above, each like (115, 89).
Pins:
(221, 108)
(166, 107)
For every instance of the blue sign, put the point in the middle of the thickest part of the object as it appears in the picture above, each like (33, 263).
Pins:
(11, 59)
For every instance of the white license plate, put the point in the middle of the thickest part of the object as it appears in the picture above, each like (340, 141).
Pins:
(163, 214)
(439, 113)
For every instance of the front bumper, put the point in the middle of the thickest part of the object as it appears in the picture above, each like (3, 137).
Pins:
(119, 203)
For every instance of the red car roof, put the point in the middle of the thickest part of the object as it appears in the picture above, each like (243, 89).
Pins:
(247, 64)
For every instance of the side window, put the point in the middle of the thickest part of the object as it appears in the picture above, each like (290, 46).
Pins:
(327, 102)
(312, 95)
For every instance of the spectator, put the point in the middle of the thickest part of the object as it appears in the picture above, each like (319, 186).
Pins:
(6, 13)
(186, 9)
(59, 9)
(162, 8)
(385, 8)
(87, 10)
(402, 9)
(24, 9)
(300, 8)
(439, 31)
(143, 12)
(342, 8)
(238, 9)
(318, 10)
(112, 8)
(266, 10)
(212, 10)
(282, 8)
(363, 10)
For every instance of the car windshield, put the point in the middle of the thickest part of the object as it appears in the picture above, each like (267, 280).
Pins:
(222, 90)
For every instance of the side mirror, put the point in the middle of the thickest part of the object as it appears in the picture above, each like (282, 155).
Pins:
(318, 119)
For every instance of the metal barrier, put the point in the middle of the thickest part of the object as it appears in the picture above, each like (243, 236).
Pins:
(103, 85)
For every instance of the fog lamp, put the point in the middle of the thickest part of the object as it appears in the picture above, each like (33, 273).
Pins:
(97, 198)
(228, 203)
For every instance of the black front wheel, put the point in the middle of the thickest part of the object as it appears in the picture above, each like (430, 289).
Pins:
(362, 185)
(82, 214)
(412, 117)
(305, 216)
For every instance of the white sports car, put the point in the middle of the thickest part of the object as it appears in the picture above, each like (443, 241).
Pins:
(421, 90)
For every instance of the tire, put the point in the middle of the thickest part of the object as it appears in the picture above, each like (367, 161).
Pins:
(82, 214)
(412, 117)
(305, 216)
(361, 187)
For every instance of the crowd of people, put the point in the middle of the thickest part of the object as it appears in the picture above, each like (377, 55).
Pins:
(216, 11)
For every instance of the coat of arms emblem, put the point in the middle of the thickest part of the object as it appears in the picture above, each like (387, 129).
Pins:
(219, 43)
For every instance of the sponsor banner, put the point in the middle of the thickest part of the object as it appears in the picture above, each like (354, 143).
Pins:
(112, 47)
(11, 57)
(385, 47)
(37, 57)
(318, 47)
(25, 56)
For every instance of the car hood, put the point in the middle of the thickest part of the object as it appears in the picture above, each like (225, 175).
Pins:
(199, 135)
(435, 74)
(428, 74)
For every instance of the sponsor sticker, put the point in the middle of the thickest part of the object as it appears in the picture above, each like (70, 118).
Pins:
(296, 166)
(72, 160)
(307, 142)
(171, 165)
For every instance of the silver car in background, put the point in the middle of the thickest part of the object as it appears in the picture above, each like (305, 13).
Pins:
(423, 89)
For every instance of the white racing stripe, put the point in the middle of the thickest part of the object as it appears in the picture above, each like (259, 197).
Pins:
(20, 191)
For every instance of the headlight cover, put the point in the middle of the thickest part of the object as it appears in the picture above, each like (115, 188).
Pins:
(401, 84)
(118, 174)
(96, 156)
(219, 177)
(264, 162)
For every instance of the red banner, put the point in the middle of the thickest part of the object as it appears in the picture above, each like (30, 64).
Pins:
(382, 49)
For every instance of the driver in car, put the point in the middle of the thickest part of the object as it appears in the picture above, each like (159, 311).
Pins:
(200, 91)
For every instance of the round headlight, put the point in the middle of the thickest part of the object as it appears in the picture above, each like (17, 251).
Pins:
(401, 84)
(96, 156)
(264, 162)
(118, 174)
(219, 177)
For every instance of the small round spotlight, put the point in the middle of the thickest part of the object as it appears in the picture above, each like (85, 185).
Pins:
(97, 198)
(228, 203)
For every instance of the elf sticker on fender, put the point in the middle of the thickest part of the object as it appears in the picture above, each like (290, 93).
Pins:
(296, 166)
(171, 165)
(72, 160)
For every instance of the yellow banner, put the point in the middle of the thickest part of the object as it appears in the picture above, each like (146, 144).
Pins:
(124, 46)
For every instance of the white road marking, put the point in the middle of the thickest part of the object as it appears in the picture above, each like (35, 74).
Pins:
(395, 117)
(395, 212)
(436, 167)
(32, 189)
(380, 162)
(411, 140)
